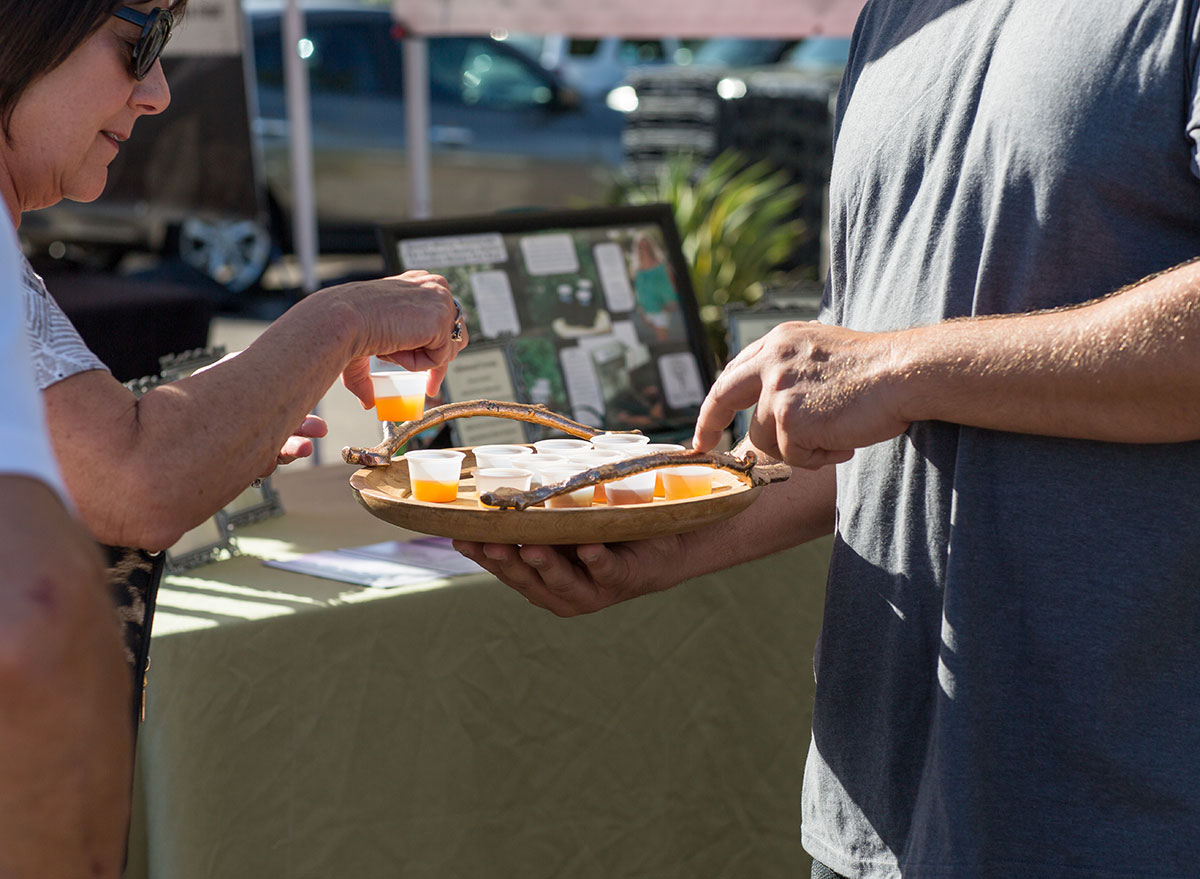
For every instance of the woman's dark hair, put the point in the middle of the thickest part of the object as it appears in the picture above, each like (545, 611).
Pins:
(39, 35)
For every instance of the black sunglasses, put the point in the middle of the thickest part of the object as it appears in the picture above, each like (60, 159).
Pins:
(156, 30)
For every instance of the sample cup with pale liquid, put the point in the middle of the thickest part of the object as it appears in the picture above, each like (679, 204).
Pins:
(500, 455)
(539, 462)
(688, 481)
(619, 441)
(635, 489)
(586, 459)
(399, 395)
(492, 478)
(563, 446)
(433, 474)
(581, 498)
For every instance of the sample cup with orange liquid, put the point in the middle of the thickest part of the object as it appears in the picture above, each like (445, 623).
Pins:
(581, 498)
(399, 395)
(635, 489)
(689, 481)
(492, 478)
(650, 449)
(433, 474)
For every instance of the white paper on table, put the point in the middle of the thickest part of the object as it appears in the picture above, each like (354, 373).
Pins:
(384, 565)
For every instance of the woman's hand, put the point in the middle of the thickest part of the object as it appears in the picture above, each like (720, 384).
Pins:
(299, 444)
(406, 319)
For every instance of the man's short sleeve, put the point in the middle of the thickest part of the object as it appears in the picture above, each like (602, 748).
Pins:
(1193, 108)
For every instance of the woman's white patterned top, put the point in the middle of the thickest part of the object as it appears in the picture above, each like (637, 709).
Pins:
(58, 350)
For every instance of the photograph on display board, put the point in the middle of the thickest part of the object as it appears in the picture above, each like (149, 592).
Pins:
(593, 310)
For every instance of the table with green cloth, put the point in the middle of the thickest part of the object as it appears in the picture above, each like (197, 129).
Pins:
(304, 727)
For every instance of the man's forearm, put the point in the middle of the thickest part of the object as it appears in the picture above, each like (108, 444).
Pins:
(1125, 368)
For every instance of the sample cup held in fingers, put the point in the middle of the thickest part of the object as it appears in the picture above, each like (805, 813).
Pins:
(399, 394)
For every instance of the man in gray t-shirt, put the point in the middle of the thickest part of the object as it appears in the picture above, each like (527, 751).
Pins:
(1008, 675)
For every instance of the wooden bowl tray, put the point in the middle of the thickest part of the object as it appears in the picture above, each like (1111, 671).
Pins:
(385, 493)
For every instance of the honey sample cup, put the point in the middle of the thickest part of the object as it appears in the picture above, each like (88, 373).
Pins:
(561, 446)
(539, 462)
(492, 478)
(500, 456)
(399, 395)
(581, 498)
(650, 448)
(635, 489)
(433, 474)
(688, 481)
(619, 441)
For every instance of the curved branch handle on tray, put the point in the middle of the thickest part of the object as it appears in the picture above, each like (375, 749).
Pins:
(747, 467)
(397, 433)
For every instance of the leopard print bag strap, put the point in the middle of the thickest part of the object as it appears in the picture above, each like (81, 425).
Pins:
(133, 578)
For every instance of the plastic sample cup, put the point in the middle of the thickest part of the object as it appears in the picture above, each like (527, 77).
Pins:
(651, 448)
(492, 478)
(433, 474)
(589, 458)
(500, 455)
(619, 440)
(399, 395)
(580, 499)
(635, 489)
(688, 481)
(561, 446)
(539, 462)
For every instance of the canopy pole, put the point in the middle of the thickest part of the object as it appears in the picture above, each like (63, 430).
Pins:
(304, 213)
(416, 130)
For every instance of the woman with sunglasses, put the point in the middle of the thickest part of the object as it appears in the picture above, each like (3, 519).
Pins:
(75, 76)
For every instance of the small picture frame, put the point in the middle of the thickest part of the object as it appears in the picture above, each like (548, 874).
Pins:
(210, 541)
(254, 504)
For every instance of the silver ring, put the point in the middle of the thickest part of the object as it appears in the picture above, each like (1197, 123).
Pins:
(456, 331)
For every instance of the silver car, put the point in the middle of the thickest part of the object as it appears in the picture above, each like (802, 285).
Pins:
(504, 132)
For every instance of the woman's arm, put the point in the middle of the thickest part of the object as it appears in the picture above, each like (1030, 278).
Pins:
(65, 688)
(1125, 368)
(144, 470)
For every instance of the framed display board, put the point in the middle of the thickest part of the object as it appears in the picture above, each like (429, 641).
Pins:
(590, 312)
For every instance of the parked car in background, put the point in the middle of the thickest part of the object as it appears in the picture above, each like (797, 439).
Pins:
(594, 66)
(504, 132)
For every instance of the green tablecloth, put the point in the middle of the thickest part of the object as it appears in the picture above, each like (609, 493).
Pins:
(300, 727)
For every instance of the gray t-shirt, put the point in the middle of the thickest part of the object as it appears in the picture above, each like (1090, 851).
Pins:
(1008, 675)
